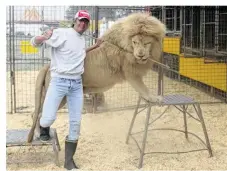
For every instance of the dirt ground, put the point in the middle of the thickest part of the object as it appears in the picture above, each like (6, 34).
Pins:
(102, 142)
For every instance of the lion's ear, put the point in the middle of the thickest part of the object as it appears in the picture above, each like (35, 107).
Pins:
(156, 50)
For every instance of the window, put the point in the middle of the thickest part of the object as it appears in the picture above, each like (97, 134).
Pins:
(209, 30)
(196, 27)
(169, 19)
(191, 30)
(204, 31)
(222, 29)
(215, 31)
(156, 12)
(172, 18)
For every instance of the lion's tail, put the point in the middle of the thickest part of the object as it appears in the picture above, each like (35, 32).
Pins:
(40, 81)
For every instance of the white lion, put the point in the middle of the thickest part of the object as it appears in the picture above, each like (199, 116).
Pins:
(123, 56)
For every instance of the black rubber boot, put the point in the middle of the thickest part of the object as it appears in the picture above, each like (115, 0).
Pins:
(70, 149)
(44, 134)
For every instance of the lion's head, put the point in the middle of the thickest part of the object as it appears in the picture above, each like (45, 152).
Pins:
(139, 34)
(142, 48)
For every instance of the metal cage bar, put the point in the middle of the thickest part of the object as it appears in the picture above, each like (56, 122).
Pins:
(24, 61)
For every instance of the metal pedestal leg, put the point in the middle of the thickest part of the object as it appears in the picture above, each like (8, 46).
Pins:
(199, 113)
(185, 122)
(133, 120)
(145, 135)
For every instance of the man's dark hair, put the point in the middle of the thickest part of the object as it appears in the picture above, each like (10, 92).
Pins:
(74, 20)
(72, 25)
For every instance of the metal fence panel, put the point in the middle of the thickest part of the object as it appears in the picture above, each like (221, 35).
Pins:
(23, 60)
(187, 36)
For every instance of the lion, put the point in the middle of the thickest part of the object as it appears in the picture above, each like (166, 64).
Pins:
(124, 55)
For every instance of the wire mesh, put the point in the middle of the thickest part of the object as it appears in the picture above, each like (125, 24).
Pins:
(23, 60)
(202, 42)
(194, 48)
(188, 74)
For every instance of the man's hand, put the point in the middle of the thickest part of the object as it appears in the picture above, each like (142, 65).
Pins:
(48, 33)
(98, 42)
(45, 36)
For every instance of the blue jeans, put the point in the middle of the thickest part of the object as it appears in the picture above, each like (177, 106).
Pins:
(73, 90)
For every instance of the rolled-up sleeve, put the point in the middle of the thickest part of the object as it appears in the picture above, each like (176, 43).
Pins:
(32, 41)
(58, 38)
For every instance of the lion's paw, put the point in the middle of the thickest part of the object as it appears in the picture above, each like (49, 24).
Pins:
(159, 99)
(154, 99)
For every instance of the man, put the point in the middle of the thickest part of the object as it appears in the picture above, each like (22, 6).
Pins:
(67, 66)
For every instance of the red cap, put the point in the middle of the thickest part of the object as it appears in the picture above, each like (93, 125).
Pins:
(82, 14)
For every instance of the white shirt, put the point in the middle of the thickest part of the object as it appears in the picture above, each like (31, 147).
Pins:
(67, 53)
